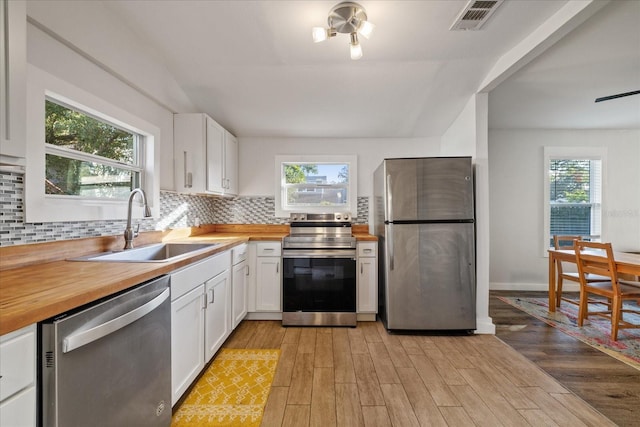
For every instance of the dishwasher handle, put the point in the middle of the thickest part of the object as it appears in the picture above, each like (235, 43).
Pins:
(80, 339)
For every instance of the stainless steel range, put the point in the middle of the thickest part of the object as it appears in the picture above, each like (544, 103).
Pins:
(319, 277)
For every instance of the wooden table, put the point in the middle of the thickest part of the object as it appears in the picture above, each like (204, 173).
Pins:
(625, 263)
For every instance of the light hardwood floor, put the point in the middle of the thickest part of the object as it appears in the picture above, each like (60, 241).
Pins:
(366, 377)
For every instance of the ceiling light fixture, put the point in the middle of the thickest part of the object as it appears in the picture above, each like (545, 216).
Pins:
(346, 18)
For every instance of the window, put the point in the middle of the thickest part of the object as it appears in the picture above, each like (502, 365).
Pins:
(85, 152)
(316, 184)
(573, 187)
(87, 157)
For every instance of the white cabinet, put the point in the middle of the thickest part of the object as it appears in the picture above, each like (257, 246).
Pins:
(205, 156)
(187, 344)
(217, 326)
(367, 278)
(17, 378)
(269, 276)
(13, 51)
(239, 273)
(200, 318)
(264, 289)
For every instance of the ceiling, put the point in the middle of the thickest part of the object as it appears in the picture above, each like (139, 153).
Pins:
(253, 67)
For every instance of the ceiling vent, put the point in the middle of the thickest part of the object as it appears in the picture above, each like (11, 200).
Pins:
(475, 14)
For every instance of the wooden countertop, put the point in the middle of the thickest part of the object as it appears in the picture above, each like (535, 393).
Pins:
(37, 282)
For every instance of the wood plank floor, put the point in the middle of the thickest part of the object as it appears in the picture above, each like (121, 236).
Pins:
(365, 377)
(610, 386)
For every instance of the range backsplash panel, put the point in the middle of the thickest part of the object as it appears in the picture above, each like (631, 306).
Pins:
(176, 211)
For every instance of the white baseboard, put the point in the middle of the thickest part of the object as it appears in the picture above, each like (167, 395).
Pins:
(567, 286)
(484, 325)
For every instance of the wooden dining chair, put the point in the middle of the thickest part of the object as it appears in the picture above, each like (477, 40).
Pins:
(597, 258)
(566, 242)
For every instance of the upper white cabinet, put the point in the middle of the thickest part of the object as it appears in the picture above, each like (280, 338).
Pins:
(205, 156)
(13, 51)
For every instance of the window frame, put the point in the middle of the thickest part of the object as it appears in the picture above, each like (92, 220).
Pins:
(282, 211)
(573, 153)
(41, 207)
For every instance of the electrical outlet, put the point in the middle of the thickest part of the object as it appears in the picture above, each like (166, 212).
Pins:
(196, 222)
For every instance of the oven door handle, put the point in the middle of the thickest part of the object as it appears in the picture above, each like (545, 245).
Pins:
(320, 254)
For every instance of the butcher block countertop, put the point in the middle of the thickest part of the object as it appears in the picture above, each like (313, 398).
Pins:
(37, 282)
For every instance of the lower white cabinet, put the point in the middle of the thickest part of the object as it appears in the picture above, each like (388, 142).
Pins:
(18, 378)
(239, 282)
(269, 276)
(187, 343)
(367, 278)
(217, 321)
(200, 318)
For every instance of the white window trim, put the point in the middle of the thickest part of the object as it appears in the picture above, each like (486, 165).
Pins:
(586, 153)
(48, 208)
(351, 160)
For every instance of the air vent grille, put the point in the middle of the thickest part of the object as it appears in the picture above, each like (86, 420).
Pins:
(474, 15)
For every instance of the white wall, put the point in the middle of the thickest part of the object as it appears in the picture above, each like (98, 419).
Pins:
(97, 53)
(257, 157)
(516, 200)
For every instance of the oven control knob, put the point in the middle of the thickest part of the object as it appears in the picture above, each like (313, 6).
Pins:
(338, 217)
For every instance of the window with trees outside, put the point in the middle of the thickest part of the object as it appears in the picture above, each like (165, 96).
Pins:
(574, 202)
(87, 157)
(316, 184)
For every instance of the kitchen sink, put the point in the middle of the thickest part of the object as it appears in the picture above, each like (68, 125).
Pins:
(159, 252)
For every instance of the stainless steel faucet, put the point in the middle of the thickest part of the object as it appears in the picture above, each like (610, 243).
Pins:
(129, 234)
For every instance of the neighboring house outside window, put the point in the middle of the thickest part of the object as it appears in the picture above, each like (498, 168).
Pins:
(316, 184)
(573, 192)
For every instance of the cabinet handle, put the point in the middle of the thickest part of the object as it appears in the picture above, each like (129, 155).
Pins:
(213, 296)
(368, 251)
(278, 267)
(246, 272)
(361, 268)
(203, 298)
(188, 176)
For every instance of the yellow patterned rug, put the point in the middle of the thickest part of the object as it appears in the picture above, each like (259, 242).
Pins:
(232, 392)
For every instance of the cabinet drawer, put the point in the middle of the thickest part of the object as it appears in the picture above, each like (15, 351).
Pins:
(239, 253)
(269, 249)
(17, 361)
(187, 278)
(367, 249)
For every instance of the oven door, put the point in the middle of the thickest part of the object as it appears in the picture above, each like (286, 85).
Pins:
(319, 287)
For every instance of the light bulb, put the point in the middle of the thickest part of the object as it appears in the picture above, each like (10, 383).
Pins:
(319, 34)
(365, 29)
(356, 51)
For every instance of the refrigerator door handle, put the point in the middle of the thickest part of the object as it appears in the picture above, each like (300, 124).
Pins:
(390, 246)
(389, 200)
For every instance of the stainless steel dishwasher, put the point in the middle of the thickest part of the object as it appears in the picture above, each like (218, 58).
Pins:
(109, 364)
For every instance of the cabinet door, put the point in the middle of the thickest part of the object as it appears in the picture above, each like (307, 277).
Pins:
(187, 341)
(231, 164)
(239, 295)
(367, 285)
(189, 152)
(19, 410)
(13, 50)
(218, 313)
(215, 157)
(269, 284)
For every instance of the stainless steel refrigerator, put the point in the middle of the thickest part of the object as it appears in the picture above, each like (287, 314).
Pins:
(424, 220)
